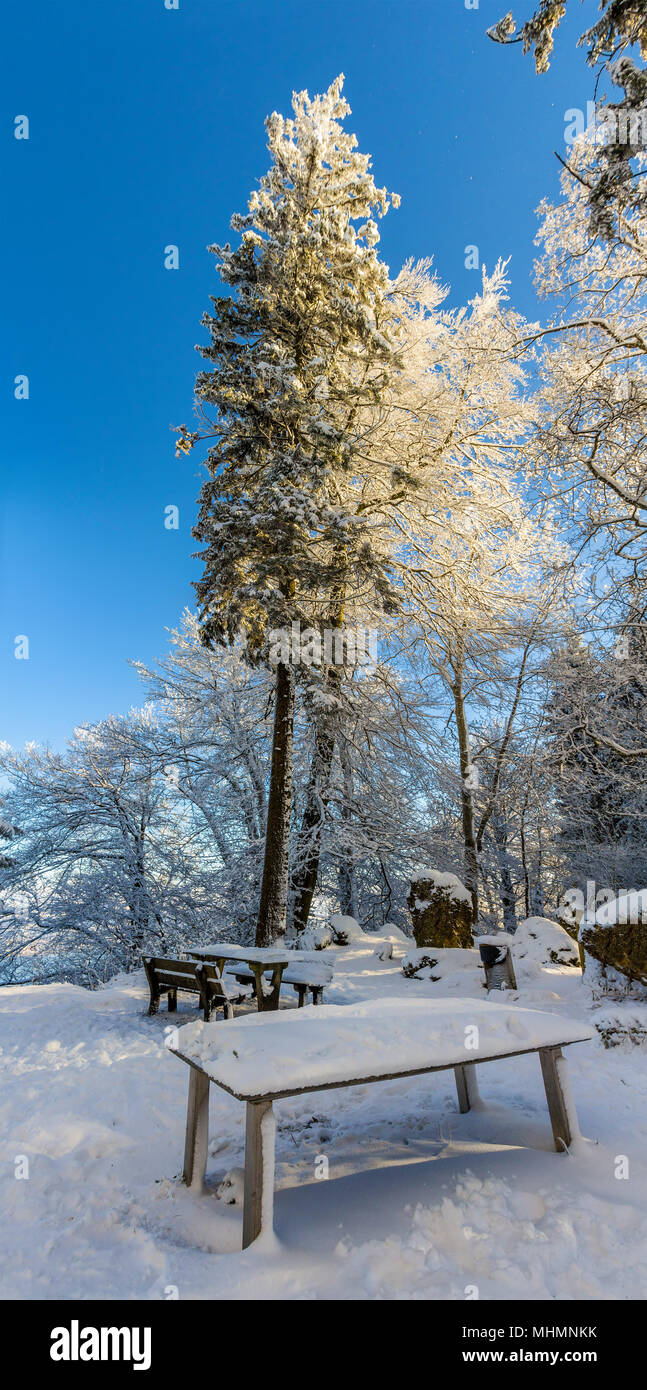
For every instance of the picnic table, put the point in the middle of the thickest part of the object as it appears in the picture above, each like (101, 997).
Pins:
(296, 968)
(258, 959)
(263, 1058)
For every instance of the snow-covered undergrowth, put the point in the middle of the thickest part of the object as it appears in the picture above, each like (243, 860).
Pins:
(418, 1202)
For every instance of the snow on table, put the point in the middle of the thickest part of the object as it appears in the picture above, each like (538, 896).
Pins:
(274, 1054)
(226, 950)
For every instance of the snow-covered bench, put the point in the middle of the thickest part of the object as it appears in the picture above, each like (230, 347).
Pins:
(304, 976)
(265, 1057)
(268, 969)
(167, 975)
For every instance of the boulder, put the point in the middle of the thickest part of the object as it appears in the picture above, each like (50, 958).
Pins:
(540, 942)
(393, 933)
(427, 964)
(615, 935)
(441, 910)
(345, 929)
(315, 938)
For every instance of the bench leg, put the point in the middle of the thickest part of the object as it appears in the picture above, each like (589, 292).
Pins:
(467, 1087)
(197, 1129)
(153, 987)
(267, 1002)
(301, 991)
(553, 1069)
(258, 1200)
(317, 994)
(172, 1001)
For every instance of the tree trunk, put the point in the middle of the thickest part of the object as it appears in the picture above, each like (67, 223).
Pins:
(524, 862)
(346, 869)
(309, 844)
(142, 912)
(274, 890)
(506, 887)
(536, 903)
(306, 871)
(467, 800)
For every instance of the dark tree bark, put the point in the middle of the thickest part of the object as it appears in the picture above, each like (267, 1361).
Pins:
(537, 905)
(309, 845)
(467, 800)
(506, 886)
(274, 889)
(306, 866)
(346, 868)
(524, 865)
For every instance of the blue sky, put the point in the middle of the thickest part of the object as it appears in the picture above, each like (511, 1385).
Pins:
(146, 129)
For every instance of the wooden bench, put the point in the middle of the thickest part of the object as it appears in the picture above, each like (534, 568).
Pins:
(304, 977)
(308, 977)
(219, 992)
(265, 1057)
(166, 976)
(251, 962)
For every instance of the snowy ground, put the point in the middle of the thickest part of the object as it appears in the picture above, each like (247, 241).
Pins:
(420, 1202)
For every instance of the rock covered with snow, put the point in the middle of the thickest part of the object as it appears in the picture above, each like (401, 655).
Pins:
(393, 933)
(615, 934)
(441, 910)
(540, 942)
(437, 964)
(345, 929)
(315, 938)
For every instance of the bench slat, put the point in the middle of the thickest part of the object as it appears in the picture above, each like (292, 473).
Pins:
(177, 979)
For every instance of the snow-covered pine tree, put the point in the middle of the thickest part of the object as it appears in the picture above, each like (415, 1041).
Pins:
(299, 350)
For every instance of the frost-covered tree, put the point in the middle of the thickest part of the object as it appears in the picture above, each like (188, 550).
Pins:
(616, 183)
(384, 798)
(7, 832)
(444, 494)
(596, 735)
(590, 448)
(472, 559)
(302, 345)
(105, 868)
(211, 737)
